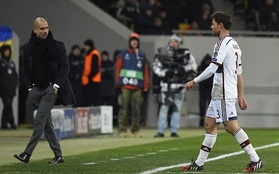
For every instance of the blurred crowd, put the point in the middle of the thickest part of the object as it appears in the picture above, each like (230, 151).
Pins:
(161, 16)
(259, 15)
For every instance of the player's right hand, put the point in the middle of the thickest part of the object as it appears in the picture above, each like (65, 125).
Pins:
(190, 85)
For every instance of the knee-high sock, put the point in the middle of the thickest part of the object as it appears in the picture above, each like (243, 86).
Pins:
(207, 144)
(243, 140)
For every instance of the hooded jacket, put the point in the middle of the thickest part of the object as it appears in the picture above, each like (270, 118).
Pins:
(8, 74)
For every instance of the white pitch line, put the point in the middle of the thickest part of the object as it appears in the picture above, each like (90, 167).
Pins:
(130, 157)
(210, 159)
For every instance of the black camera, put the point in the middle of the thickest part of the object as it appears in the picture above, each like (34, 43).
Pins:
(175, 60)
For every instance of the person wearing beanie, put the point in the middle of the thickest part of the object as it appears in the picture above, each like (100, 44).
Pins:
(91, 76)
(134, 36)
(172, 65)
(108, 90)
(89, 43)
(76, 62)
(132, 77)
(8, 85)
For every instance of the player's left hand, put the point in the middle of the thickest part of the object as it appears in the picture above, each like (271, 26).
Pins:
(242, 103)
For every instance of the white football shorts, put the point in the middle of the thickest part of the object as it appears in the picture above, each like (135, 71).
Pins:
(222, 110)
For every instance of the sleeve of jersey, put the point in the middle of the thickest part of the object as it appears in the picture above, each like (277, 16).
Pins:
(239, 70)
(221, 53)
(158, 68)
(239, 66)
(208, 72)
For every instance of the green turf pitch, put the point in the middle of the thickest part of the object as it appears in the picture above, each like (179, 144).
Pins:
(113, 155)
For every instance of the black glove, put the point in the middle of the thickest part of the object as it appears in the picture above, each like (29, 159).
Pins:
(169, 73)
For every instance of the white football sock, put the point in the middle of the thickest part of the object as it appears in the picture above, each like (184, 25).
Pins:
(243, 140)
(207, 144)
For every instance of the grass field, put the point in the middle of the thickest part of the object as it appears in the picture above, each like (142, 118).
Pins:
(109, 154)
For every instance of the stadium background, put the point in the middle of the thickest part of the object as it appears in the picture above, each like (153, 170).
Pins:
(74, 21)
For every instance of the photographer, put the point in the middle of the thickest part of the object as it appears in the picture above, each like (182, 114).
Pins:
(174, 66)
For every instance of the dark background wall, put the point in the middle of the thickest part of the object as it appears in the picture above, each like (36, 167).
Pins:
(70, 21)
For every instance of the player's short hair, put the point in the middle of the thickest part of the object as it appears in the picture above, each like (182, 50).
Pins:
(222, 17)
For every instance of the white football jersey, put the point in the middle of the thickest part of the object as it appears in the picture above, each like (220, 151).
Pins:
(227, 55)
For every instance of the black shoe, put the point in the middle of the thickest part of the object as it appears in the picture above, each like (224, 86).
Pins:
(56, 160)
(192, 167)
(23, 157)
(159, 135)
(4, 127)
(174, 135)
(251, 167)
(14, 126)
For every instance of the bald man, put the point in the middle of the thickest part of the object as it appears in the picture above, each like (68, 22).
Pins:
(46, 70)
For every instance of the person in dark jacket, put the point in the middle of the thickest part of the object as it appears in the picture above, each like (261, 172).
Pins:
(76, 62)
(108, 92)
(46, 69)
(8, 85)
(22, 92)
(91, 77)
(205, 88)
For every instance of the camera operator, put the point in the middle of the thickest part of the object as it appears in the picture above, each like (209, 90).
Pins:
(174, 66)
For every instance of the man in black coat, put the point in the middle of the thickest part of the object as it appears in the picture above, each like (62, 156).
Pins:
(46, 69)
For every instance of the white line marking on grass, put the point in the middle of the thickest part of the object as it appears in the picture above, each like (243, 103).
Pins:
(115, 159)
(89, 163)
(151, 153)
(130, 157)
(210, 159)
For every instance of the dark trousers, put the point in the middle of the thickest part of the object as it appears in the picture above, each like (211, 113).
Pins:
(91, 95)
(7, 113)
(43, 100)
(204, 99)
(22, 97)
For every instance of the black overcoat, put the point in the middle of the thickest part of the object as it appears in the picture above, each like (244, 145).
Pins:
(61, 68)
